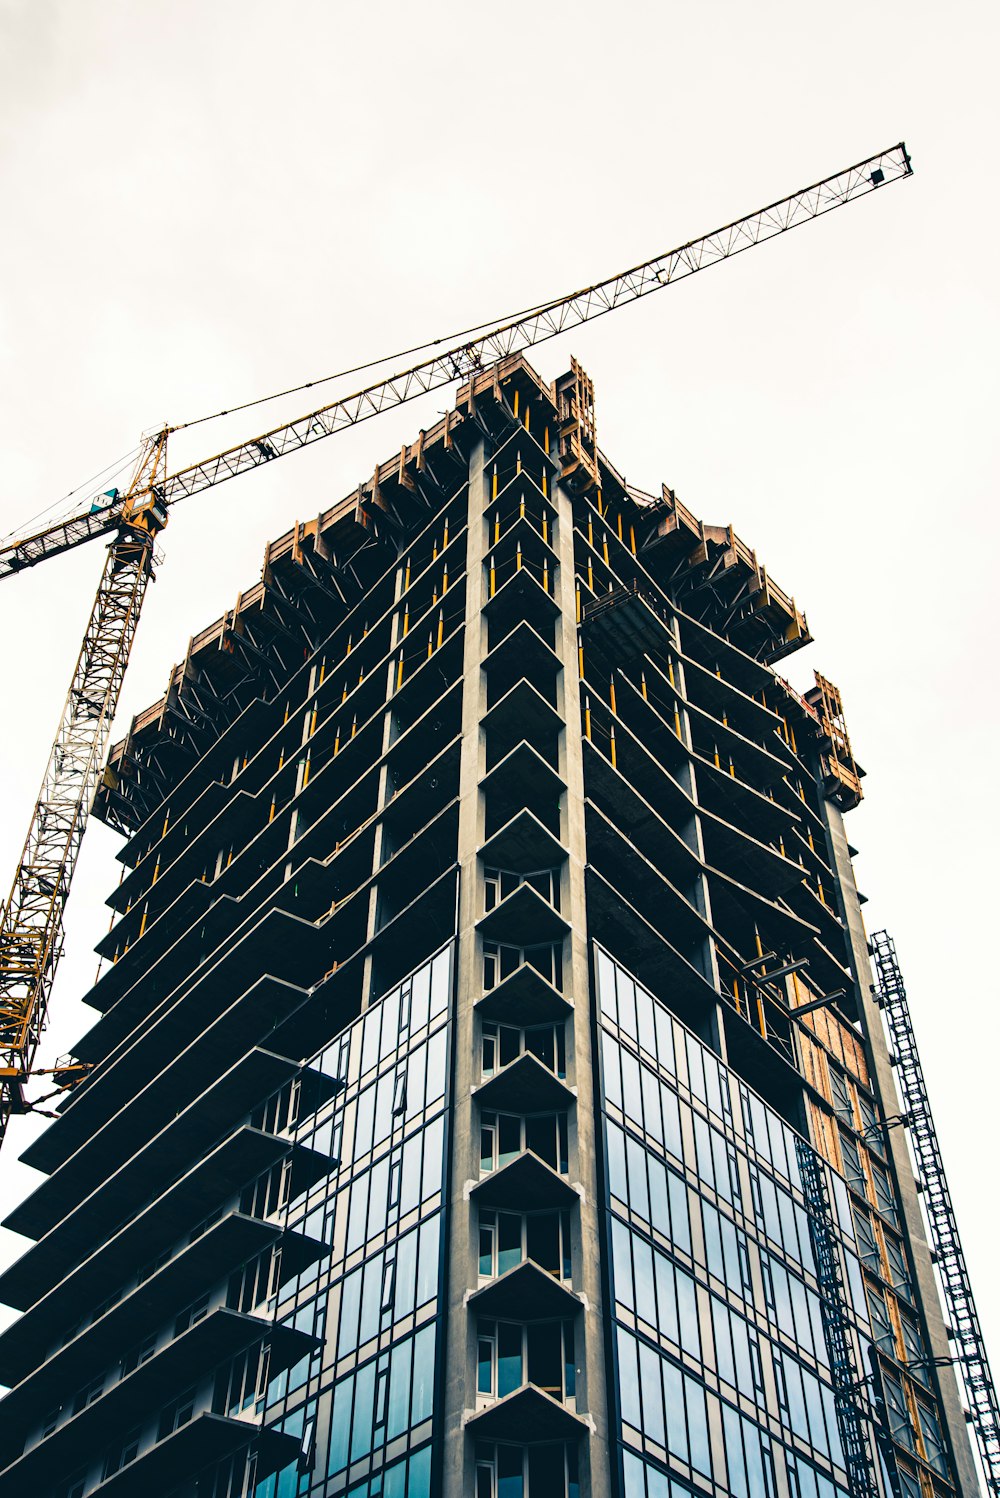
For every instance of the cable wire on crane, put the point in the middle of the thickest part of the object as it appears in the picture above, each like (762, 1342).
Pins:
(31, 923)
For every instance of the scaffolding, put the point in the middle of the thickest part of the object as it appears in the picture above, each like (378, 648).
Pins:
(852, 1419)
(945, 1241)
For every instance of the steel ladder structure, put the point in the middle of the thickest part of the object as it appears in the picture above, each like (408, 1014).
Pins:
(852, 1418)
(945, 1241)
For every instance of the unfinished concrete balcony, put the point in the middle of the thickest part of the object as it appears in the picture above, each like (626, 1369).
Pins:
(523, 845)
(528, 1293)
(523, 995)
(205, 1440)
(217, 1338)
(522, 654)
(113, 1170)
(523, 1085)
(525, 1183)
(526, 1416)
(523, 780)
(521, 596)
(67, 1257)
(155, 1297)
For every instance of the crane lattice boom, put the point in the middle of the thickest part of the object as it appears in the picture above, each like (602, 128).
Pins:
(458, 362)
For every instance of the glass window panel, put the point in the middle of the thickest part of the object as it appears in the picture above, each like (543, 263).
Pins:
(897, 1265)
(362, 1424)
(631, 1087)
(508, 1241)
(688, 1313)
(390, 1023)
(645, 1024)
(371, 1299)
(621, 1259)
(420, 998)
(509, 1359)
(732, 1426)
(645, 1294)
(406, 1270)
(673, 1398)
(616, 1163)
(659, 1202)
(400, 1365)
(628, 1374)
(639, 1197)
(612, 1069)
(626, 1005)
(930, 1429)
(680, 1221)
(671, 1121)
(440, 983)
(664, 1039)
(542, 1240)
(652, 1398)
(340, 1425)
(723, 1343)
(884, 1196)
(666, 1298)
(423, 1374)
(635, 1485)
(350, 1305)
(651, 1105)
(358, 1213)
(606, 984)
(696, 1068)
(433, 1159)
(418, 1483)
(754, 1461)
(703, 1149)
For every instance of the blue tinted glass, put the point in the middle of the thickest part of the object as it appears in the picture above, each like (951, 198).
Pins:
(635, 1486)
(680, 1222)
(622, 1262)
(423, 1374)
(612, 1069)
(697, 1426)
(606, 984)
(361, 1428)
(616, 1163)
(628, 1376)
(652, 1398)
(400, 1365)
(673, 1396)
(340, 1425)
(639, 1196)
(430, 1245)
(419, 1480)
(666, 1298)
(349, 1306)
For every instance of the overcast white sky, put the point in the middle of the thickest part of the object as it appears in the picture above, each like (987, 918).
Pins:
(207, 200)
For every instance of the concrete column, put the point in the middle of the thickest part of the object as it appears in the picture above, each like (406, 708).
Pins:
(592, 1399)
(462, 1255)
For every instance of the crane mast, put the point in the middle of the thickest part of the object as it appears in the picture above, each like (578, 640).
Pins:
(31, 924)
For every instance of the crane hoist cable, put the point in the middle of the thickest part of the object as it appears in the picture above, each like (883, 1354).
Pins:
(31, 923)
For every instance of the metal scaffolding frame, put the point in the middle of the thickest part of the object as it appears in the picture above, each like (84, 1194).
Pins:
(852, 1418)
(945, 1240)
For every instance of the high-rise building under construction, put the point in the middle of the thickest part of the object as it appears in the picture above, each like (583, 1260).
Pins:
(488, 1097)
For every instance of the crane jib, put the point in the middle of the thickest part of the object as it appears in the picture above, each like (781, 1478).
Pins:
(542, 323)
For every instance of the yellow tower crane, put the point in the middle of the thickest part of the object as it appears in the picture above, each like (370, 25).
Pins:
(31, 924)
